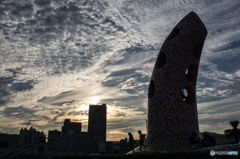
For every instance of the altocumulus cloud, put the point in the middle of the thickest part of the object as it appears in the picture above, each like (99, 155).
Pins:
(59, 56)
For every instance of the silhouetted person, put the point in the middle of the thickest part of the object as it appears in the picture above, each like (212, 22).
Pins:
(208, 141)
(142, 139)
(194, 141)
(116, 148)
(235, 132)
(131, 141)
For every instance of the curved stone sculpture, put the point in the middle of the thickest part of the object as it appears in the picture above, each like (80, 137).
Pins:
(172, 107)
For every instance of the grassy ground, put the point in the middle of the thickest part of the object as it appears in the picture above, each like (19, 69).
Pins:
(157, 155)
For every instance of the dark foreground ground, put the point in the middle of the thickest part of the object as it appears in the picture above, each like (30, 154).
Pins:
(155, 155)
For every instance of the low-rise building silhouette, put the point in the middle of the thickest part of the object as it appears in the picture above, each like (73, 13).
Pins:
(31, 136)
(124, 146)
(7, 140)
(73, 140)
(54, 136)
(78, 142)
(67, 125)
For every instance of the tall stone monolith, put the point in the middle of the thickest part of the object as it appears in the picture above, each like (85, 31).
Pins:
(172, 107)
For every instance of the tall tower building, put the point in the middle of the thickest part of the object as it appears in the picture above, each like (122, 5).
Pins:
(97, 120)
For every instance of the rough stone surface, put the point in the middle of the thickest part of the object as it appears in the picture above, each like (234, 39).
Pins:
(172, 107)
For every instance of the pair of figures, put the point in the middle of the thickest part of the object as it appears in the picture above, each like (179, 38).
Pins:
(132, 141)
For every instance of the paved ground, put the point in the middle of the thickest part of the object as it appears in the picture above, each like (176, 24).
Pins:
(229, 147)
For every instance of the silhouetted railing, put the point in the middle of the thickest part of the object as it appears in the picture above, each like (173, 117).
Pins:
(60, 146)
(22, 149)
(9, 148)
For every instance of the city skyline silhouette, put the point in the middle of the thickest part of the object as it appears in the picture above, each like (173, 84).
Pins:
(58, 57)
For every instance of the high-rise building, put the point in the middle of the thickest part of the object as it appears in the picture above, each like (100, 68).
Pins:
(71, 126)
(97, 120)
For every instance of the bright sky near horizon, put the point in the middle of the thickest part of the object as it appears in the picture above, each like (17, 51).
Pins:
(57, 57)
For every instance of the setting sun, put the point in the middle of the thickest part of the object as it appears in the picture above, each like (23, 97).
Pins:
(94, 100)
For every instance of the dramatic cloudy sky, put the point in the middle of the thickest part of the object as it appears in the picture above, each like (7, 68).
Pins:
(57, 57)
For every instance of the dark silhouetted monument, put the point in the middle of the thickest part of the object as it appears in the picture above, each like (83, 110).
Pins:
(172, 107)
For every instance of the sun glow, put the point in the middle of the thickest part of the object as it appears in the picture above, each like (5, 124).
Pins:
(94, 100)
(83, 108)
